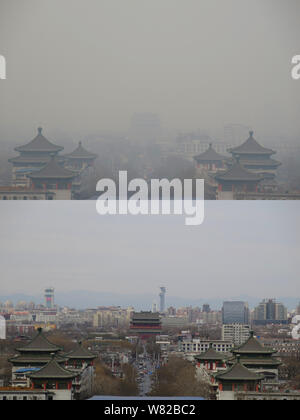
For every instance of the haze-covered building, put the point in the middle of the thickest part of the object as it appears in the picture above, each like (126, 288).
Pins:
(236, 179)
(256, 158)
(210, 161)
(33, 157)
(54, 178)
(41, 173)
(81, 162)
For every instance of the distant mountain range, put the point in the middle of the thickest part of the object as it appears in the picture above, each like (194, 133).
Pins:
(89, 299)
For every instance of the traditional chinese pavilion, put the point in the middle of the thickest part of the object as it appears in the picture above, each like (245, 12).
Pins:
(256, 158)
(80, 356)
(41, 365)
(236, 179)
(80, 159)
(238, 378)
(33, 156)
(254, 356)
(54, 377)
(55, 178)
(210, 161)
(81, 162)
(33, 356)
(211, 360)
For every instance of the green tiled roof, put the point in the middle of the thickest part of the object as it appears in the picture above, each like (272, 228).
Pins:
(52, 371)
(81, 353)
(238, 372)
(252, 346)
(40, 344)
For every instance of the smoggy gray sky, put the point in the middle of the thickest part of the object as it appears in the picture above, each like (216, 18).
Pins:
(243, 248)
(81, 66)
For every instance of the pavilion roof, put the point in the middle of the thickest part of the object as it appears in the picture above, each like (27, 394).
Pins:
(52, 371)
(81, 353)
(272, 163)
(252, 346)
(210, 155)
(211, 354)
(40, 344)
(256, 361)
(53, 170)
(238, 372)
(30, 159)
(238, 173)
(81, 153)
(40, 144)
(251, 146)
(32, 359)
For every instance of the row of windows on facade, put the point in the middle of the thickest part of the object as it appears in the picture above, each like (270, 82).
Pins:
(15, 398)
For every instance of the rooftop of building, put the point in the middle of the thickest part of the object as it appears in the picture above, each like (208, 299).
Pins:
(145, 315)
(53, 170)
(52, 371)
(30, 160)
(39, 344)
(81, 353)
(81, 153)
(39, 144)
(238, 173)
(238, 372)
(210, 155)
(252, 346)
(210, 355)
(252, 147)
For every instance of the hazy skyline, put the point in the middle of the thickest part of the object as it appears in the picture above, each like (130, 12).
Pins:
(79, 67)
(243, 248)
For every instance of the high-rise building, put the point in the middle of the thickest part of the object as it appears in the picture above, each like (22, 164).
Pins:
(162, 297)
(154, 307)
(235, 313)
(49, 298)
(298, 309)
(270, 312)
(238, 334)
(206, 308)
